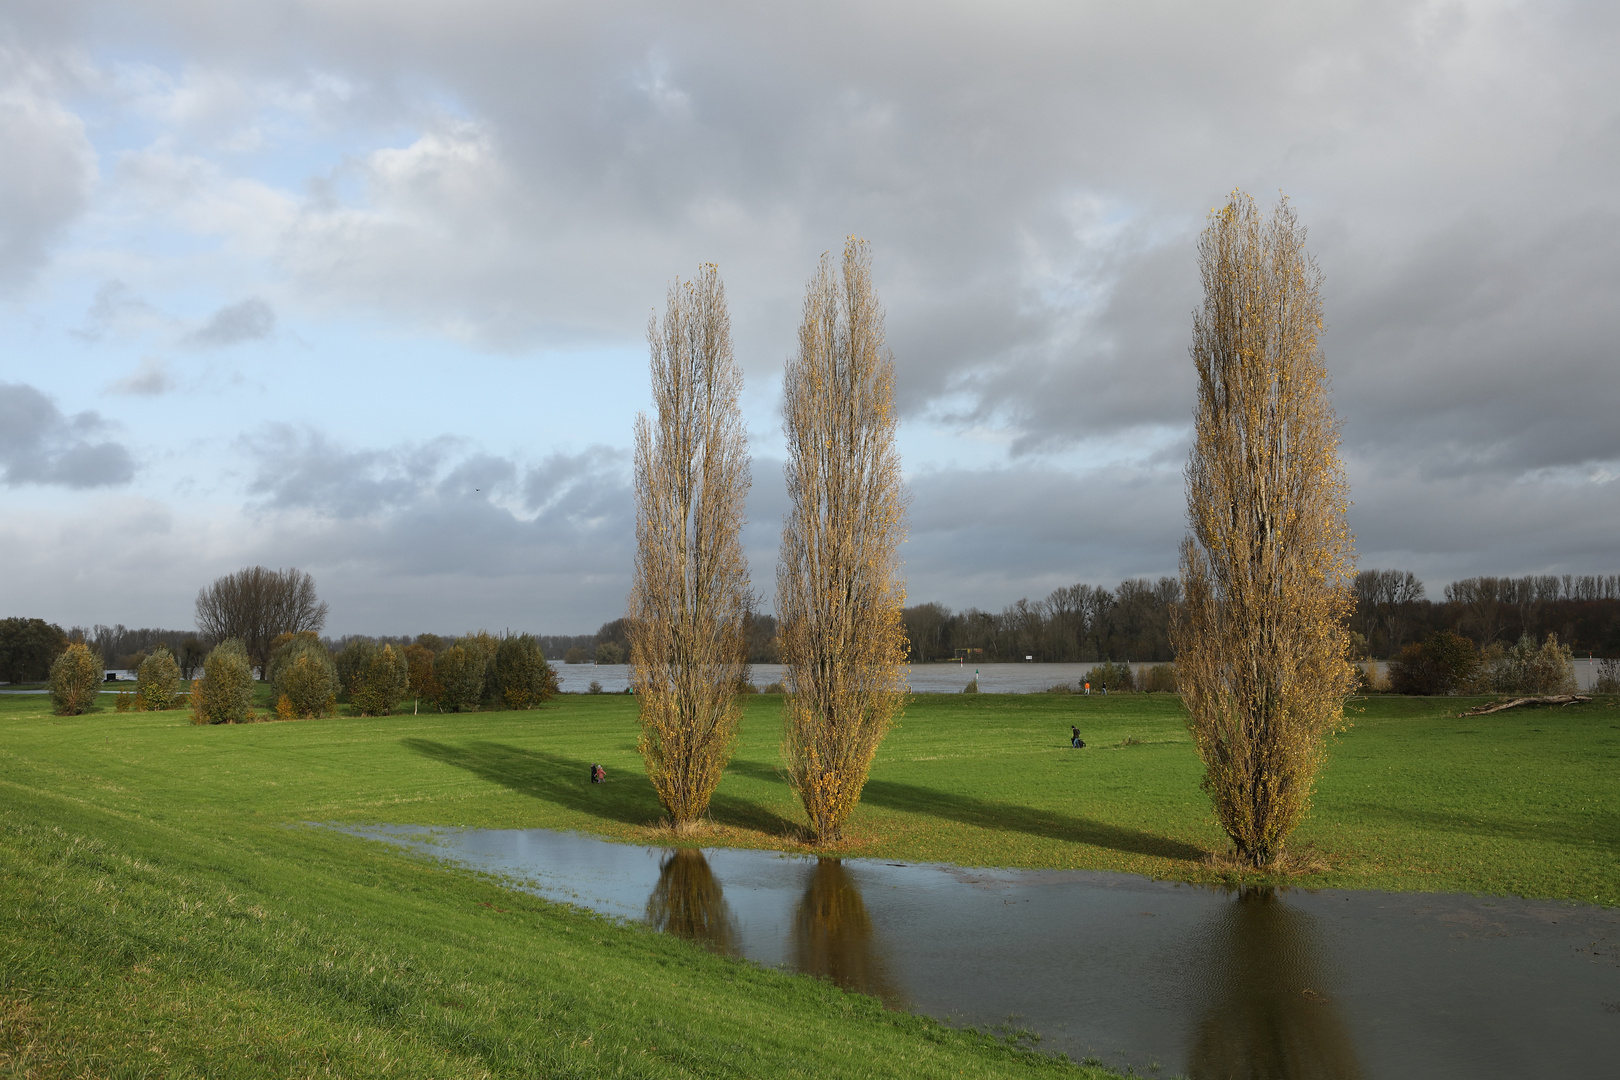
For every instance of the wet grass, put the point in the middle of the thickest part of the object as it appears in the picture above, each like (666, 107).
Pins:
(169, 913)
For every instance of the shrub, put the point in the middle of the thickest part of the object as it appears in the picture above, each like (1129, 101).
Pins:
(1608, 677)
(419, 672)
(576, 655)
(972, 687)
(1160, 679)
(348, 660)
(304, 676)
(1116, 677)
(1444, 663)
(1370, 679)
(27, 649)
(382, 680)
(1527, 668)
(75, 680)
(225, 692)
(460, 672)
(521, 675)
(157, 681)
(594, 688)
(609, 652)
(774, 688)
(486, 645)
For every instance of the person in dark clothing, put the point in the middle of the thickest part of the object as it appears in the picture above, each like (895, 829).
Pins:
(1075, 740)
(598, 774)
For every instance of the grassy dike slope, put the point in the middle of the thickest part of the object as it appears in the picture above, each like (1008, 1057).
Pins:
(163, 913)
(167, 909)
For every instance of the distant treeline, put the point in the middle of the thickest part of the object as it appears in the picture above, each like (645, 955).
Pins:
(1075, 624)
(1583, 610)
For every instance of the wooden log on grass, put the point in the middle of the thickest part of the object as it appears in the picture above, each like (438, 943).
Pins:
(1545, 699)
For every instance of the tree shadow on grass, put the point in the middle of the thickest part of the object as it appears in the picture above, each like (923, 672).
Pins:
(565, 781)
(1598, 828)
(549, 777)
(989, 814)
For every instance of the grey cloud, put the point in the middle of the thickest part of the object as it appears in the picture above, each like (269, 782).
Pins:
(41, 445)
(249, 320)
(302, 469)
(115, 309)
(46, 171)
(438, 535)
(1033, 179)
(569, 483)
(1032, 182)
(151, 379)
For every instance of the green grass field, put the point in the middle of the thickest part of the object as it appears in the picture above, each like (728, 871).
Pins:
(170, 912)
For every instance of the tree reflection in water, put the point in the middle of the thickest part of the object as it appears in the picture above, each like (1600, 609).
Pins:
(688, 902)
(1267, 1014)
(833, 936)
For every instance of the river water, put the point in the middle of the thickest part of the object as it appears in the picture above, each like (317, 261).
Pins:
(1167, 979)
(937, 678)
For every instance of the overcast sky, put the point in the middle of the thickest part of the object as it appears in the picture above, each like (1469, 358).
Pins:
(361, 286)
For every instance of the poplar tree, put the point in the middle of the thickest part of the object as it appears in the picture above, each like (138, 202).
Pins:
(838, 592)
(1266, 570)
(690, 594)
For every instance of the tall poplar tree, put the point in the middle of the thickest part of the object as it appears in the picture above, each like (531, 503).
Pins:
(838, 592)
(690, 595)
(1267, 567)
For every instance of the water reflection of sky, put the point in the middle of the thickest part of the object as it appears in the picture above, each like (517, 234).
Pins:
(1330, 985)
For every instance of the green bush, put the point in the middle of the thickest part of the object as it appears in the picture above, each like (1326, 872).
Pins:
(521, 676)
(460, 674)
(1527, 668)
(381, 681)
(349, 659)
(1115, 677)
(75, 680)
(575, 655)
(157, 681)
(609, 652)
(224, 694)
(28, 647)
(1443, 663)
(972, 687)
(303, 677)
(1160, 679)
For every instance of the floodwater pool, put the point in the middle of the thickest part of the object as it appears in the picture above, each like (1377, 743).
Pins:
(1165, 978)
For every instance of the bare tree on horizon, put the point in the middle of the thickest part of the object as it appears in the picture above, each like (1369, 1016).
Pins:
(257, 605)
(1260, 636)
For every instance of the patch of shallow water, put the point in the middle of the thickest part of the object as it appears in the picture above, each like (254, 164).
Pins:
(1166, 979)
